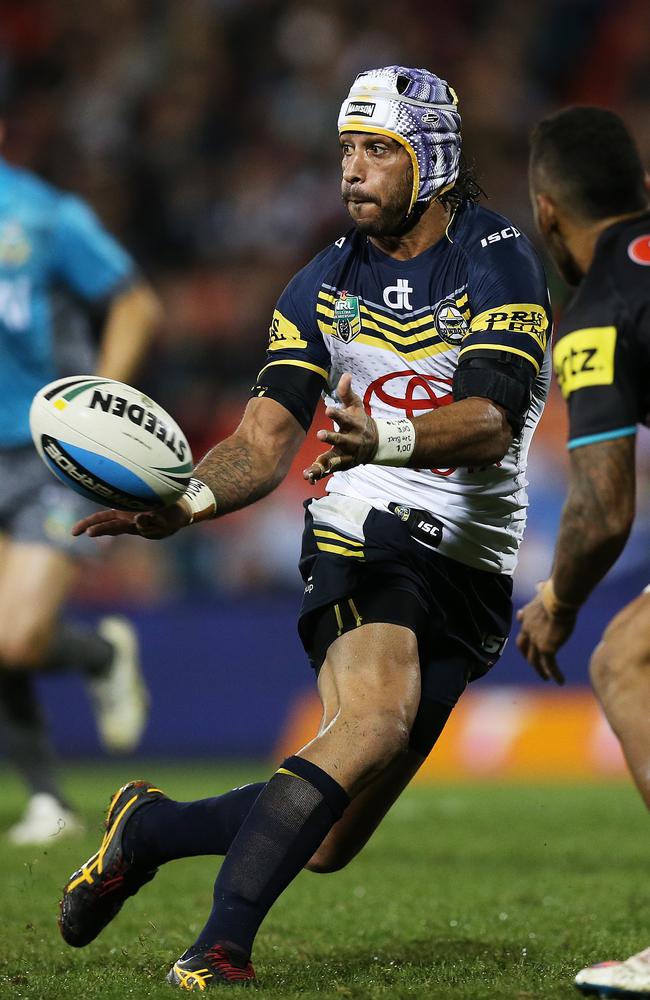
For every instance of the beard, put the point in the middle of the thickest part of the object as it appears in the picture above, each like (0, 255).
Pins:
(391, 209)
(563, 259)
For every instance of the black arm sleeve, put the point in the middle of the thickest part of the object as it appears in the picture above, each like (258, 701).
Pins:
(296, 388)
(506, 382)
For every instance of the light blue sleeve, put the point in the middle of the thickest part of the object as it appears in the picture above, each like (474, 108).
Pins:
(86, 257)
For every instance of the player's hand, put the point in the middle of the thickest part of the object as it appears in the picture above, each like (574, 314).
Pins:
(152, 524)
(541, 636)
(354, 443)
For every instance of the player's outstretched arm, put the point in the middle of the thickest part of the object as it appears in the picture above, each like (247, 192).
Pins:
(238, 471)
(473, 431)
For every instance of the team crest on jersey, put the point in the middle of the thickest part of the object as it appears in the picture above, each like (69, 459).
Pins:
(15, 248)
(402, 512)
(450, 322)
(347, 317)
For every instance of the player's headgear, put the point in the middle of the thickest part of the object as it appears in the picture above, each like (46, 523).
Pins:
(418, 110)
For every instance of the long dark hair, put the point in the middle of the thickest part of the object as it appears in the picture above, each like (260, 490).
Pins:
(466, 188)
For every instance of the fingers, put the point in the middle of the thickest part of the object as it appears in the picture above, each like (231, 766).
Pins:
(322, 466)
(543, 663)
(105, 522)
(344, 390)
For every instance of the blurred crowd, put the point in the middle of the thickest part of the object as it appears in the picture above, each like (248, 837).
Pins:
(204, 134)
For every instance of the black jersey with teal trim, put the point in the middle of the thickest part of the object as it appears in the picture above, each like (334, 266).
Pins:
(402, 328)
(602, 351)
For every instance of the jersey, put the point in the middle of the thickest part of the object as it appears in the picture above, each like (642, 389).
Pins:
(602, 353)
(54, 256)
(402, 327)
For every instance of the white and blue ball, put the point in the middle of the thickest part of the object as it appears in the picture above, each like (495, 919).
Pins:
(110, 443)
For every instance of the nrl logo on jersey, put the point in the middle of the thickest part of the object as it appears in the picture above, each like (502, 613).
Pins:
(450, 322)
(347, 317)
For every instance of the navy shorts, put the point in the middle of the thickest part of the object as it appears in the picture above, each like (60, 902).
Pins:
(362, 565)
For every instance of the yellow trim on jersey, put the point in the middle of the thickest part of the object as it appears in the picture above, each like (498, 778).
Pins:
(413, 354)
(585, 357)
(283, 333)
(292, 774)
(296, 364)
(501, 347)
(515, 317)
(339, 620)
(321, 533)
(374, 130)
(339, 550)
(414, 324)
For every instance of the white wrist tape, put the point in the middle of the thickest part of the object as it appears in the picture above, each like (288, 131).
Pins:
(396, 441)
(198, 500)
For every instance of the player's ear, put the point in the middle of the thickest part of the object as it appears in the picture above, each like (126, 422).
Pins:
(545, 213)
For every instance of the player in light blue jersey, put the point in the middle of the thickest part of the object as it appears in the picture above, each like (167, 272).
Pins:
(56, 263)
(436, 310)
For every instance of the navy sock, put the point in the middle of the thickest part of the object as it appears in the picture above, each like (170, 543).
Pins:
(289, 821)
(167, 830)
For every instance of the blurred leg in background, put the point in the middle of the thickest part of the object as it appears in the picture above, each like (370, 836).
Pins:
(38, 568)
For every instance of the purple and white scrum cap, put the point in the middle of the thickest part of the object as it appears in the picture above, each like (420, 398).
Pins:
(418, 110)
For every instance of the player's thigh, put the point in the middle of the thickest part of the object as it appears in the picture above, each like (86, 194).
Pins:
(374, 666)
(34, 581)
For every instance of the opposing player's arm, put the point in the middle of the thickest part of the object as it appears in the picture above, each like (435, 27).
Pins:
(595, 525)
(601, 377)
(596, 519)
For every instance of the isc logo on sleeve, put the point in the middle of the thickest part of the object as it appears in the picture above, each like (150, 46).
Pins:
(584, 358)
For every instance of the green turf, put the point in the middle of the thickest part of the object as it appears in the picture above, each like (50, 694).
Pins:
(466, 892)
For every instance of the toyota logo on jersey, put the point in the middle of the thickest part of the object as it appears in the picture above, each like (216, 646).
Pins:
(412, 393)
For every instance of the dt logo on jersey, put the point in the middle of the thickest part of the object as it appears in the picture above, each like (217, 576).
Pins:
(347, 317)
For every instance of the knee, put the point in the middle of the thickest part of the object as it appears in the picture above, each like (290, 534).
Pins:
(20, 650)
(613, 666)
(326, 861)
(332, 855)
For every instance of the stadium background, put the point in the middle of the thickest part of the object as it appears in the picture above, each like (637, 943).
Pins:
(204, 134)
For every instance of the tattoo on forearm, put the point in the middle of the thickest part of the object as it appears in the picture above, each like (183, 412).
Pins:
(235, 474)
(596, 516)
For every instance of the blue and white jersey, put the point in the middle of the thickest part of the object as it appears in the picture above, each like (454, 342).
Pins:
(401, 327)
(54, 256)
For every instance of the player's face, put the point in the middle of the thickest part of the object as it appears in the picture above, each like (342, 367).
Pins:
(377, 182)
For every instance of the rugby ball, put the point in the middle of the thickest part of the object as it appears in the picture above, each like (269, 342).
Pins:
(110, 443)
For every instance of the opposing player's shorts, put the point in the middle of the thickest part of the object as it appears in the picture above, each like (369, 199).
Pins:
(35, 508)
(362, 565)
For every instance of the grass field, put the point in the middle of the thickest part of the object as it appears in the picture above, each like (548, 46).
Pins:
(465, 892)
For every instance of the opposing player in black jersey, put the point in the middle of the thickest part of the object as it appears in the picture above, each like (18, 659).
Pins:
(437, 311)
(591, 204)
